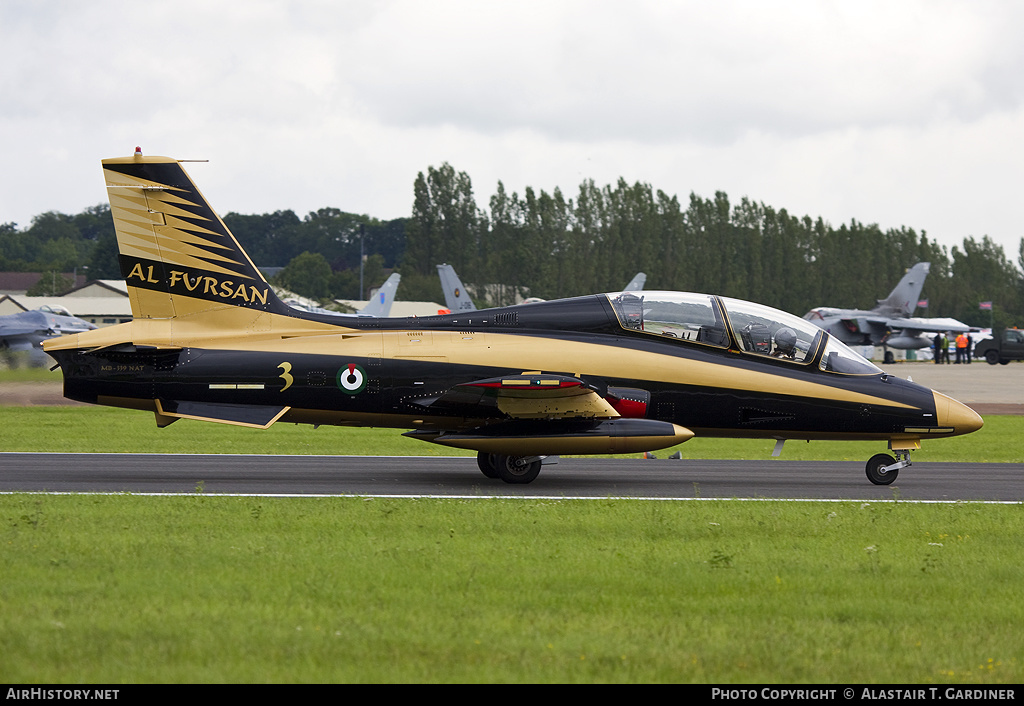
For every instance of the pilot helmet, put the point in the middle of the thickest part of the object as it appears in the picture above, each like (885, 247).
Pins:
(785, 341)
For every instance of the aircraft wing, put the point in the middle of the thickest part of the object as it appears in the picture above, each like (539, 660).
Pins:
(42, 324)
(558, 413)
(876, 326)
(527, 413)
(935, 325)
(15, 328)
(527, 397)
(25, 323)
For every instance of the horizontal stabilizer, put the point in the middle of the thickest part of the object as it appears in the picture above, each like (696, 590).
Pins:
(245, 415)
(525, 438)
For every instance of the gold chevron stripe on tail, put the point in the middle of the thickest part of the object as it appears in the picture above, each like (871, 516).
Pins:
(176, 254)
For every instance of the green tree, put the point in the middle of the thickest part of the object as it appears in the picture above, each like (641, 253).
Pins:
(50, 284)
(446, 224)
(308, 274)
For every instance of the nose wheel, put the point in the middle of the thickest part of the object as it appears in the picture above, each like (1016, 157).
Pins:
(882, 469)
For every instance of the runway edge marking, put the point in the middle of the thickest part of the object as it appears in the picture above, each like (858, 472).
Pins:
(515, 497)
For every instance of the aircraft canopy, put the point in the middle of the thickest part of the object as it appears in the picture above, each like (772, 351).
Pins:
(759, 330)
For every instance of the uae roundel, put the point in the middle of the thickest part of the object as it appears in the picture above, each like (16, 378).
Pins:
(351, 379)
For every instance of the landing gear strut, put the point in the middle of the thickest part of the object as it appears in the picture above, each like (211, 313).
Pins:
(517, 469)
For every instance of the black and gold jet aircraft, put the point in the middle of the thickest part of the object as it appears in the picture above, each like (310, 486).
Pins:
(608, 373)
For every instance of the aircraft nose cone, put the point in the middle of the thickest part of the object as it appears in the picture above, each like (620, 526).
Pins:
(950, 413)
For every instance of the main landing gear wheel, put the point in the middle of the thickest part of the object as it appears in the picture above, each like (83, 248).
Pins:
(517, 469)
(486, 463)
(874, 469)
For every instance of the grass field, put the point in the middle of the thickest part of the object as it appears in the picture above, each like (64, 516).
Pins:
(122, 589)
(205, 589)
(106, 429)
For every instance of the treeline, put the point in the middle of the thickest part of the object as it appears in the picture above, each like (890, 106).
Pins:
(547, 245)
(56, 242)
(330, 239)
(557, 246)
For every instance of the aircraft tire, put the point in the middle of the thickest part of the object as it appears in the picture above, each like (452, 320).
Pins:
(511, 470)
(874, 469)
(486, 463)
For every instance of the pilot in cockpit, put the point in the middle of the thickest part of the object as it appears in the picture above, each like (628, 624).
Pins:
(785, 343)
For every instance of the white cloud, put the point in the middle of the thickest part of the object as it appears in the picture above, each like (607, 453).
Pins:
(897, 113)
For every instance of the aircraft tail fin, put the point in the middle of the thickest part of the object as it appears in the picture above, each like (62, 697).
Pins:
(176, 255)
(455, 296)
(380, 305)
(903, 299)
(637, 283)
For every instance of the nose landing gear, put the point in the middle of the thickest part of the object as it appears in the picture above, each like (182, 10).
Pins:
(882, 469)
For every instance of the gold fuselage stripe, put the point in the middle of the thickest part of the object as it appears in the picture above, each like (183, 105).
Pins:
(275, 333)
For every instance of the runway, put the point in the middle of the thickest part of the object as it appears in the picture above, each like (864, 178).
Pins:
(459, 477)
(989, 389)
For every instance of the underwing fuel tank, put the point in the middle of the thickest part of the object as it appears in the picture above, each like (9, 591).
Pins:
(907, 342)
(608, 436)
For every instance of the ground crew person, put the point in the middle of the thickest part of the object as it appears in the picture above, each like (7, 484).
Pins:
(961, 348)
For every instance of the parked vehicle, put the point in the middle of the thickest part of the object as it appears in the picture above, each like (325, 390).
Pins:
(1007, 345)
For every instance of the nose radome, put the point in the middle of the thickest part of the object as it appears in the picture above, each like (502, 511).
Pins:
(950, 413)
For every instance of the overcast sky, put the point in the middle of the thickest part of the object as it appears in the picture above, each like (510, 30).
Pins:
(907, 113)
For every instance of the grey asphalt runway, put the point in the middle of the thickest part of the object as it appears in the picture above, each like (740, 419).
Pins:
(990, 389)
(459, 477)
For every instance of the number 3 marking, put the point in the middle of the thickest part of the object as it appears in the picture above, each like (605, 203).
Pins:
(286, 376)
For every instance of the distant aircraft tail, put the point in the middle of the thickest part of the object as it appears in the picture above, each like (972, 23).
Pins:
(903, 299)
(637, 283)
(380, 305)
(176, 255)
(455, 296)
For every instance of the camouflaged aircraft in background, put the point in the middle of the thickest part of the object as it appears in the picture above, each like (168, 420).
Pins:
(607, 373)
(22, 334)
(456, 297)
(891, 324)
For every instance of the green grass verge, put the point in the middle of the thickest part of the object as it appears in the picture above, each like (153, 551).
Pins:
(24, 374)
(106, 429)
(123, 589)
